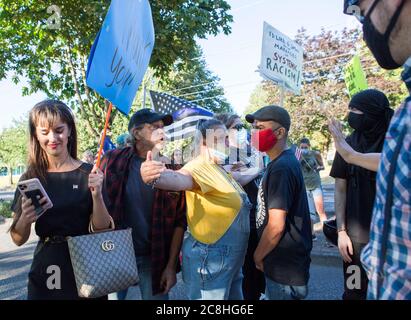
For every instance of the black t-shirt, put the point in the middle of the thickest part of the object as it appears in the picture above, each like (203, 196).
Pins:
(139, 198)
(361, 187)
(70, 216)
(72, 203)
(283, 188)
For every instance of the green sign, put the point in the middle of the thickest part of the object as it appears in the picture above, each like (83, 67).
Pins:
(355, 77)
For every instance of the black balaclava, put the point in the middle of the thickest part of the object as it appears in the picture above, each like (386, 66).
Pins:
(370, 127)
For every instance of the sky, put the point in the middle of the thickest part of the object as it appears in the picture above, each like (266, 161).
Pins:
(233, 58)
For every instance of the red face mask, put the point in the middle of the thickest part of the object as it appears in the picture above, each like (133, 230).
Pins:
(264, 140)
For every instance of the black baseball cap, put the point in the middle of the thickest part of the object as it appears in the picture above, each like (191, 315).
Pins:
(148, 116)
(271, 113)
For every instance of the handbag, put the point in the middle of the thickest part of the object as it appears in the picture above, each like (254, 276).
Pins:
(330, 231)
(103, 262)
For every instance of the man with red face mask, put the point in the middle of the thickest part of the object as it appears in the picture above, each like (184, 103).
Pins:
(282, 218)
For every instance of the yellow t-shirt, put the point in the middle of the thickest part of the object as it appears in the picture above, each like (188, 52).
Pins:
(213, 206)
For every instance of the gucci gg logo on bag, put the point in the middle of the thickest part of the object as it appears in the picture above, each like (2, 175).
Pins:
(108, 245)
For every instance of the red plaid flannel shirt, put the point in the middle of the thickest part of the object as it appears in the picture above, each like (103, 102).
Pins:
(168, 213)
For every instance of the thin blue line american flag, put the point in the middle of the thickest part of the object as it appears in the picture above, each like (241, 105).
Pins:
(168, 104)
(185, 114)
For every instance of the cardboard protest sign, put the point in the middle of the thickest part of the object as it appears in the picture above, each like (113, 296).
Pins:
(281, 59)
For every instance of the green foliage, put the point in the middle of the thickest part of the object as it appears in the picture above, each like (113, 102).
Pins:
(54, 60)
(258, 99)
(192, 81)
(178, 23)
(13, 146)
(324, 92)
(5, 208)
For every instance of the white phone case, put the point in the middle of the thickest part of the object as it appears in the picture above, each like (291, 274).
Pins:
(32, 185)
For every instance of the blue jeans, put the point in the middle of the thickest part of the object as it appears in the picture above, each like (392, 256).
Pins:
(144, 272)
(276, 291)
(214, 272)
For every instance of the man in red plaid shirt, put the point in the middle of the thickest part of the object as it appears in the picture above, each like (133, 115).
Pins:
(157, 218)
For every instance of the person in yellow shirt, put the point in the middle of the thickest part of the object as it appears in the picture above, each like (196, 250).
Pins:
(218, 211)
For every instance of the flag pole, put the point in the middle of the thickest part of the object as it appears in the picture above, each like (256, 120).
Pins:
(103, 138)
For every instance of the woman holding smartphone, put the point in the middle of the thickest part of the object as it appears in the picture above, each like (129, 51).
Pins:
(75, 190)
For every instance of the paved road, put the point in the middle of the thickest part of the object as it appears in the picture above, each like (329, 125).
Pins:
(6, 195)
(325, 283)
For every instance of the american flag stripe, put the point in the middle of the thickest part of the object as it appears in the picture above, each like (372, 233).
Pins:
(167, 104)
(182, 134)
(185, 131)
(298, 153)
(185, 113)
(185, 123)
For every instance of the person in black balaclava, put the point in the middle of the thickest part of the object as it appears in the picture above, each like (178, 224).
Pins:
(369, 116)
(387, 32)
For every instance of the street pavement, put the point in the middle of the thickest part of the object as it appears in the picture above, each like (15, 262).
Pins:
(326, 280)
(6, 195)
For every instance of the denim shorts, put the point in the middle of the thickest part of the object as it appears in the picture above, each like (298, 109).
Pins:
(311, 195)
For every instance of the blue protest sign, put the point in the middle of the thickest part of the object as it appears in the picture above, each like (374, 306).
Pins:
(121, 52)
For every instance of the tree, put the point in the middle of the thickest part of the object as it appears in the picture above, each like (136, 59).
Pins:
(54, 60)
(13, 146)
(259, 98)
(324, 92)
(191, 80)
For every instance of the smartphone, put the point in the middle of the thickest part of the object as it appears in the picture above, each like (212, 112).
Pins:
(33, 189)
